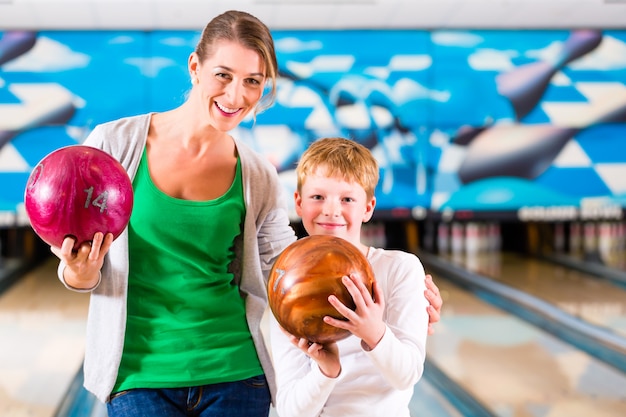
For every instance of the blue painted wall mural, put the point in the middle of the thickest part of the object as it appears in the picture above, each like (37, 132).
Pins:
(521, 123)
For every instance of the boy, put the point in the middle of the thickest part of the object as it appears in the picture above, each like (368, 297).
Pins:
(373, 371)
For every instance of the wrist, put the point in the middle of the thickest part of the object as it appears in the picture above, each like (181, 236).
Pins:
(84, 285)
(330, 371)
(372, 342)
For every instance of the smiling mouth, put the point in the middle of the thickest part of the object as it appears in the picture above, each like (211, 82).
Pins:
(227, 110)
(333, 225)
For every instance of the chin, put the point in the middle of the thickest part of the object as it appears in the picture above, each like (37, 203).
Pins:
(330, 232)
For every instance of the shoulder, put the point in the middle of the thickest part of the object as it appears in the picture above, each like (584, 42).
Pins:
(396, 270)
(253, 162)
(123, 138)
(120, 131)
(130, 122)
(396, 261)
(392, 256)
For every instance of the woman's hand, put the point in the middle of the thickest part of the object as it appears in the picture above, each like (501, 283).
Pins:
(82, 270)
(433, 296)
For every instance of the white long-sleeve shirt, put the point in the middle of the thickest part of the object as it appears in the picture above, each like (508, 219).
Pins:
(378, 382)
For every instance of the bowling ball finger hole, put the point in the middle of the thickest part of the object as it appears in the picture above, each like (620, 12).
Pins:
(34, 177)
(77, 244)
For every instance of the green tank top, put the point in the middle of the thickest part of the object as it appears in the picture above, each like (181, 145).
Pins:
(186, 321)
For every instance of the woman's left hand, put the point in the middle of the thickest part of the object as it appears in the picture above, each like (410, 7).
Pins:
(433, 296)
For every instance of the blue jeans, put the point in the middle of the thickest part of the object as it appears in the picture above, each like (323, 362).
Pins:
(250, 398)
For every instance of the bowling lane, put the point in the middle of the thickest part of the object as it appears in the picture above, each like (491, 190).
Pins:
(516, 369)
(427, 400)
(594, 300)
(42, 343)
(615, 260)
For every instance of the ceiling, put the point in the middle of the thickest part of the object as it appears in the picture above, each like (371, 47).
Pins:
(313, 14)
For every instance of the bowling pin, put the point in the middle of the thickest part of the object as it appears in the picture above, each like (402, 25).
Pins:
(483, 237)
(15, 43)
(58, 108)
(559, 237)
(472, 246)
(525, 85)
(574, 237)
(472, 239)
(589, 238)
(443, 238)
(526, 151)
(373, 234)
(429, 236)
(457, 238)
(605, 240)
(366, 238)
(621, 259)
(495, 237)
(380, 236)
(614, 235)
(466, 134)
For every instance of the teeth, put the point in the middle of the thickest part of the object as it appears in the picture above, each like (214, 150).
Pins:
(226, 109)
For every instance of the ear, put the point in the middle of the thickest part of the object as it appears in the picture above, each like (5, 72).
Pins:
(298, 202)
(192, 64)
(369, 210)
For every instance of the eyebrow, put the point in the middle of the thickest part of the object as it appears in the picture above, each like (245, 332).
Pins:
(254, 74)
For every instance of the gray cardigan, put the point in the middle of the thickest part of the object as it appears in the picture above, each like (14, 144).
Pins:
(266, 232)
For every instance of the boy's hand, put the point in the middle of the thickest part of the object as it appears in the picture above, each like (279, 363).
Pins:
(326, 356)
(366, 321)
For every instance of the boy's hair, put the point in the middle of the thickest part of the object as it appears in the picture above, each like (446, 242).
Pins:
(340, 157)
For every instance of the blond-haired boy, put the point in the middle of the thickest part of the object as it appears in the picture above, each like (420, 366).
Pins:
(373, 371)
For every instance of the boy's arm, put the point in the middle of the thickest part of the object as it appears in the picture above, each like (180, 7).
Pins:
(401, 353)
(302, 389)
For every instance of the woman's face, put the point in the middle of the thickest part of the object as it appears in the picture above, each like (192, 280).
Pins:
(228, 84)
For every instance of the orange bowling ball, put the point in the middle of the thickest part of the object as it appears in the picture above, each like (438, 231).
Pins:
(302, 278)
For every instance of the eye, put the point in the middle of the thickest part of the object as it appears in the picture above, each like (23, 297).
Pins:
(316, 197)
(223, 76)
(348, 199)
(253, 81)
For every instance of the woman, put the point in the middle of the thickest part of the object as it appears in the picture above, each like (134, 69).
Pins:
(177, 299)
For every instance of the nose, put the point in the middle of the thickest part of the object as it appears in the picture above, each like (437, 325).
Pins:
(233, 92)
(331, 208)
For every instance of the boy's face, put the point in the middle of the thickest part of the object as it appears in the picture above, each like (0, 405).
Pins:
(332, 206)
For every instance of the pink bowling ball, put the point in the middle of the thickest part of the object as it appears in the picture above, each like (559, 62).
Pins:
(77, 191)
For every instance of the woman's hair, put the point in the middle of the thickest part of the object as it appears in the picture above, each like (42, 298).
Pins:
(248, 31)
(340, 157)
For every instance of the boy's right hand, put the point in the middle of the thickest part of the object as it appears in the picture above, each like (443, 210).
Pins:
(82, 270)
(326, 356)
